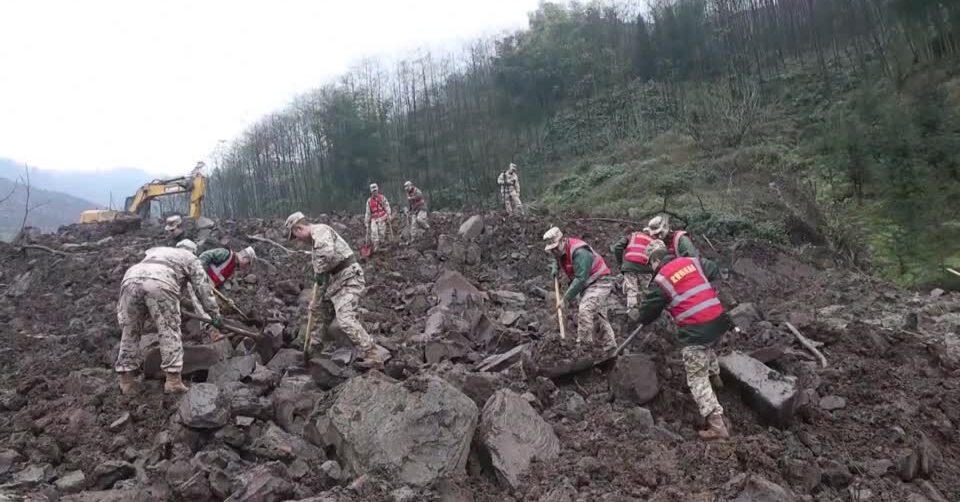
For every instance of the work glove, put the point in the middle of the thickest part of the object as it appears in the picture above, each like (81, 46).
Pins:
(216, 322)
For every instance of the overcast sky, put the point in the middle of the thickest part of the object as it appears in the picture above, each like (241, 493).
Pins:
(154, 84)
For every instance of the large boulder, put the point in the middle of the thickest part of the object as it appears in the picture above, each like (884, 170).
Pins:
(634, 379)
(195, 358)
(771, 394)
(512, 435)
(264, 483)
(418, 431)
(472, 228)
(204, 407)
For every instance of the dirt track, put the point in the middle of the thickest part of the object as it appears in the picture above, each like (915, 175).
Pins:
(891, 361)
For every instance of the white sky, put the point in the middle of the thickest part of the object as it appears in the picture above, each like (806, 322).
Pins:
(154, 84)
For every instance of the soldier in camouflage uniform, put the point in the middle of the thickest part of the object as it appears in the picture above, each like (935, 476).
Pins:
(682, 286)
(340, 277)
(509, 182)
(418, 210)
(153, 287)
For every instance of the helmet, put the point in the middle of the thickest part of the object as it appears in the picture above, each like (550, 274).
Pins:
(654, 245)
(407, 184)
(374, 187)
(292, 221)
(188, 245)
(513, 167)
(552, 238)
(658, 227)
(173, 223)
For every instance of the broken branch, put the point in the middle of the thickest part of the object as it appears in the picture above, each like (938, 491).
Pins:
(807, 344)
(44, 248)
(952, 271)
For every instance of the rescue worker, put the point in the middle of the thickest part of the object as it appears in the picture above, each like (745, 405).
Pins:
(339, 275)
(632, 252)
(153, 287)
(509, 183)
(221, 263)
(682, 286)
(677, 241)
(190, 294)
(377, 217)
(174, 227)
(590, 277)
(418, 210)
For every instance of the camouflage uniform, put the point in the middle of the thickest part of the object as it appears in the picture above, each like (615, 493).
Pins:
(378, 226)
(510, 185)
(418, 212)
(153, 287)
(701, 363)
(632, 289)
(342, 292)
(593, 308)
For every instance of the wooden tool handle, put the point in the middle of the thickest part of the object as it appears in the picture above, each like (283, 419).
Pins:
(226, 327)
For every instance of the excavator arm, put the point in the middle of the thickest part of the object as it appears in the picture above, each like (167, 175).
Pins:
(195, 185)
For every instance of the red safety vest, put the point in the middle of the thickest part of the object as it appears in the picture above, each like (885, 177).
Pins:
(599, 268)
(377, 209)
(636, 251)
(416, 201)
(692, 299)
(675, 242)
(220, 273)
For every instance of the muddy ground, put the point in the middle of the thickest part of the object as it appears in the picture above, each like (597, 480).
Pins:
(878, 423)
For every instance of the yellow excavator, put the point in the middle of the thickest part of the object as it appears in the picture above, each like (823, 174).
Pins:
(139, 203)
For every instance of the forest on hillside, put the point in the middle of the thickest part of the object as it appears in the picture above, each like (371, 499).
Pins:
(593, 77)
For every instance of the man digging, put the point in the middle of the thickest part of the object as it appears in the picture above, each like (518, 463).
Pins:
(340, 277)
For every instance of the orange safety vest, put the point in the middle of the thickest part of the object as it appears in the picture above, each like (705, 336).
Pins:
(636, 251)
(599, 268)
(377, 209)
(675, 242)
(220, 273)
(692, 299)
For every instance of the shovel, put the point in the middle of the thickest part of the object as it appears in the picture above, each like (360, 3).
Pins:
(226, 327)
(587, 363)
(556, 290)
(366, 249)
(231, 303)
(306, 335)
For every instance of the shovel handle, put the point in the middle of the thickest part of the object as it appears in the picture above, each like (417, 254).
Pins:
(556, 292)
(306, 336)
(233, 329)
(630, 339)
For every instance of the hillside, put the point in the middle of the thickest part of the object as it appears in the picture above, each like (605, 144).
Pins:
(48, 209)
(96, 186)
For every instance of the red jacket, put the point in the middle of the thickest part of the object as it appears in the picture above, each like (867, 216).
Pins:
(220, 273)
(599, 268)
(693, 300)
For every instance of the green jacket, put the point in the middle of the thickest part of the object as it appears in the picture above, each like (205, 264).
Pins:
(700, 334)
(582, 264)
(628, 266)
(215, 256)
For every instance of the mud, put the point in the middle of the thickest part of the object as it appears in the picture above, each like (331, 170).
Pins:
(892, 358)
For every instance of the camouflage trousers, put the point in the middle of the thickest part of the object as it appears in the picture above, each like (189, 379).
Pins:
(632, 289)
(341, 302)
(700, 362)
(593, 311)
(378, 232)
(511, 200)
(142, 298)
(418, 223)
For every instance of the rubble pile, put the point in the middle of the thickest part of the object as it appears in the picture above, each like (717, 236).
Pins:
(464, 409)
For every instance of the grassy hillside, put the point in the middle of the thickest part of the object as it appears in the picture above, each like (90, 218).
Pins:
(48, 210)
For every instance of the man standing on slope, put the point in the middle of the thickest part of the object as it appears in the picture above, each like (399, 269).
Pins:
(153, 287)
(632, 253)
(590, 276)
(377, 217)
(682, 286)
(509, 183)
(222, 263)
(418, 210)
(677, 241)
(340, 277)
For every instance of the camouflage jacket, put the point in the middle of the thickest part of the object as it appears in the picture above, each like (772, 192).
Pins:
(329, 249)
(175, 268)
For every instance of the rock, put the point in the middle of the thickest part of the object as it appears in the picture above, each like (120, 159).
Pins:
(499, 362)
(452, 348)
(197, 487)
(264, 483)
(744, 315)
(332, 469)
(277, 444)
(472, 254)
(246, 401)
(293, 400)
(772, 395)
(836, 475)
(118, 424)
(575, 406)
(286, 358)
(251, 279)
(634, 379)
(7, 459)
(807, 475)
(757, 489)
(641, 417)
(508, 298)
(421, 429)
(234, 369)
(403, 494)
(195, 358)
(930, 456)
(562, 493)
(108, 473)
(936, 293)
(244, 421)
(204, 222)
(204, 407)
(29, 477)
(509, 318)
(472, 228)
(876, 468)
(664, 435)
(511, 435)
(327, 373)
(767, 355)
(71, 482)
(831, 403)
(11, 401)
(452, 286)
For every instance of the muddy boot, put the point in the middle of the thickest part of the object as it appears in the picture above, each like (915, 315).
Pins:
(716, 428)
(174, 384)
(716, 382)
(370, 358)
(128, 383)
